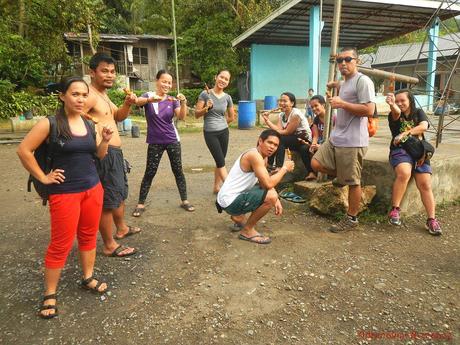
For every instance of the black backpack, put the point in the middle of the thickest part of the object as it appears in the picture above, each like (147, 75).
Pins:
(44, 156)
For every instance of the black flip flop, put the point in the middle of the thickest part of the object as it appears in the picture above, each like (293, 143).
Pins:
(131, 231)
(118, 250)
(188, 207)
(253, 239)
(138, 211)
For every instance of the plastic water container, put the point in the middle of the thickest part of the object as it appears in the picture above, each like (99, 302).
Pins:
(135, 131)
(120, 126)
(246, 114)
(270, 102)
(127, 125)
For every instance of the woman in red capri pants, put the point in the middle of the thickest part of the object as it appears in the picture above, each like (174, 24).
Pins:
(75, 199)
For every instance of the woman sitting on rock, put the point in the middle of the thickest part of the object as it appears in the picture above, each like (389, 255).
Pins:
(405, 120)
(292, 125)
(318, 106)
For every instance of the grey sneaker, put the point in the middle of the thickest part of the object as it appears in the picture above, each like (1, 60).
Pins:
(344, 225)
(433, 227)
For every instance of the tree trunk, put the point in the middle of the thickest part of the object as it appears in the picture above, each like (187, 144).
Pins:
(22, 15)
(90, 39)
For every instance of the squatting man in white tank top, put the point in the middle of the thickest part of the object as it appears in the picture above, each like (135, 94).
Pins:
(250, 189)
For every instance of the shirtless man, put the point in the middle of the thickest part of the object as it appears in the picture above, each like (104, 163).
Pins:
(249, 188)
(111, 168)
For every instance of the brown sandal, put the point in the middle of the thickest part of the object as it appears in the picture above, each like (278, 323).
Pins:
(49, 306)
(85, 285)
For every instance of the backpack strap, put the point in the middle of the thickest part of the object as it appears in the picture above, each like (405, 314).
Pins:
(375, 115)
(52, 138)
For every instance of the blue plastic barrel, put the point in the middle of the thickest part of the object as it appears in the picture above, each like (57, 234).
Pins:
(246, 114)
(127, 125)
(270, 102)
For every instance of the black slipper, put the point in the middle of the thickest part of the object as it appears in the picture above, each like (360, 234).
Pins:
(131, 231)
(138, 211)
(118, 250)
(188, 207)
(254, 240)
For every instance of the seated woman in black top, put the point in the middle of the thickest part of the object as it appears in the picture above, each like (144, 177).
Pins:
(404, 120)
(292, 125)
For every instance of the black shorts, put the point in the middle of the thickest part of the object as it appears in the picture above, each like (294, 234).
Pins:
(113, 177)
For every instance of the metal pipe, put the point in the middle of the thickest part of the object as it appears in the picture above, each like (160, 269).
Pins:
(387, 75)
(445, 97)
(175, 45)
(332, 63)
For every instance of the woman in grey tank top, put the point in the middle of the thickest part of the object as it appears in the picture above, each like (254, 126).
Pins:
(216, 107)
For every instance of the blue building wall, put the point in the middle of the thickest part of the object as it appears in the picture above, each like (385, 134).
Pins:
(279, 68)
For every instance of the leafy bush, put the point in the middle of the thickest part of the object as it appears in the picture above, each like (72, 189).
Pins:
(16, 103)
(21, 61)
(117, 96)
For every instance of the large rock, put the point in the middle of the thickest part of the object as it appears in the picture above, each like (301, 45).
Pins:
(328, 199)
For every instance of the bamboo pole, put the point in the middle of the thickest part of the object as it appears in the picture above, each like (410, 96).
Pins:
(175, 45)
(332, 63)
(373, 72)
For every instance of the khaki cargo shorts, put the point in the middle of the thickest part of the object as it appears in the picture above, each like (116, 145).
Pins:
(346, 161)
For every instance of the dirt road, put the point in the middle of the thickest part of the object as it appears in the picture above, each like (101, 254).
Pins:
(194, 282)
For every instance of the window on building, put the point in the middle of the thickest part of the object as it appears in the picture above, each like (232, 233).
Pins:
(140, 56)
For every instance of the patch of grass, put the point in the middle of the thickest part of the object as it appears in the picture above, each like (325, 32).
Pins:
(444, 204)
(376, 212)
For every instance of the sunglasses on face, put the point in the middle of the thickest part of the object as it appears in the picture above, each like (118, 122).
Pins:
(346, 59)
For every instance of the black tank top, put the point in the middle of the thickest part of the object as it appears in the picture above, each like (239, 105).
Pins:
(77, 158)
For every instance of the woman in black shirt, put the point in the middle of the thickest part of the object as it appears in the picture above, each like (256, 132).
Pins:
(405, 120)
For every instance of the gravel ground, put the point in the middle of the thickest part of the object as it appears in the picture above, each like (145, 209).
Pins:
(194, 282)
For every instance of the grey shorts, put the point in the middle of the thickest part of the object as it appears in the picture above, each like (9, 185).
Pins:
(113, 177)
(346, 161)
(246, 202)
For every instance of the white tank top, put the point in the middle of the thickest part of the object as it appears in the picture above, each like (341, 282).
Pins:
(236, 182)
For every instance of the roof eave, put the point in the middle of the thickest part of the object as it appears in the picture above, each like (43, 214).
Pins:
(236, 42)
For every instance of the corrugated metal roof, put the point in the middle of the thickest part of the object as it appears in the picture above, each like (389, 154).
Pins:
(115, 37)
(448, 45)
(363, 22)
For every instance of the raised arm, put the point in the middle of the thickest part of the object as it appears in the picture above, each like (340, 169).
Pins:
(123, 112)
(395, 111)
(258, 166)
(181, 111)
(277, 127)
(104, 137)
